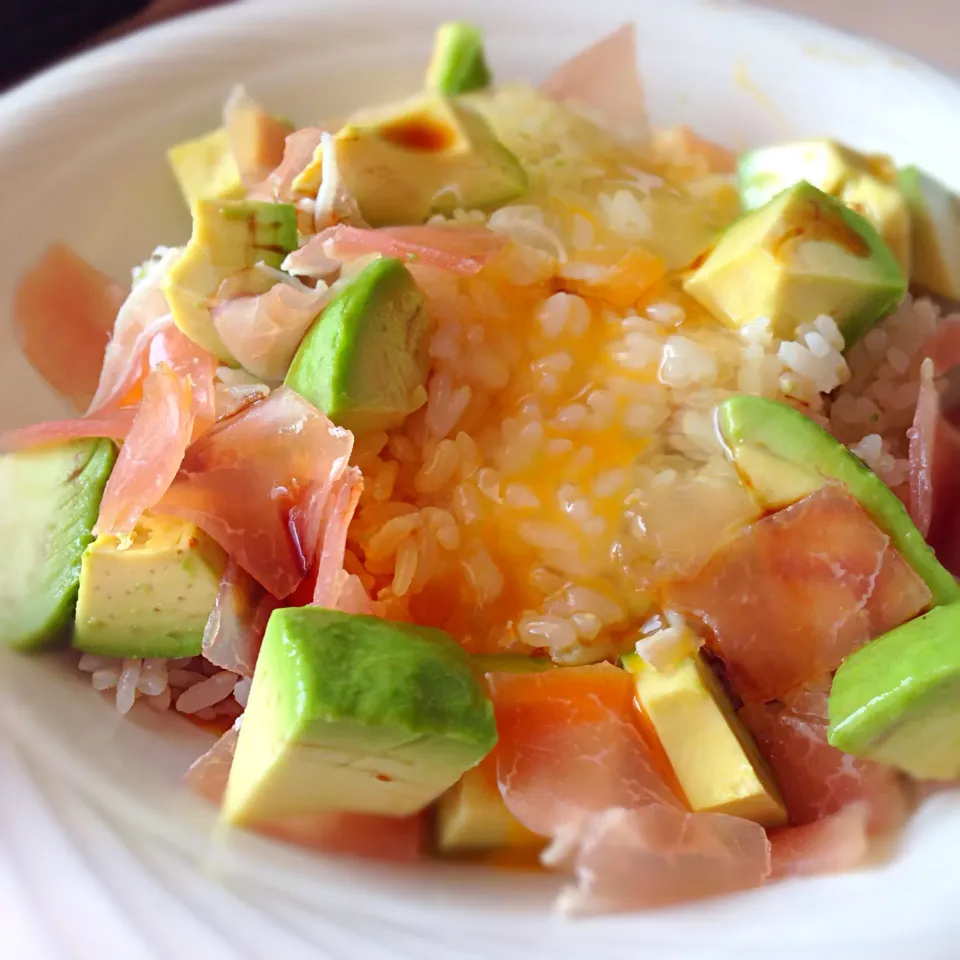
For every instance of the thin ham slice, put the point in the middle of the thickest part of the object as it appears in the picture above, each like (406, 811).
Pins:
(935, 447)
(238, 621)
(209, 773)
(263, 332)
(63, 312)
(113, 424)
(341, 504)
(789, 597)
(573, 765)
(815, 779)
(605, 80)
(658, 855)
(569, 747)
(151, 453)
(257, 140)
(140, 316)
(160, 343)
(245, 481)
(459, 250)
(838, 842)
(351, 834)
(298, 151)
(193, 365)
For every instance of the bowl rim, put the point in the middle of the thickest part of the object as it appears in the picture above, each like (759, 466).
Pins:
(88, 70)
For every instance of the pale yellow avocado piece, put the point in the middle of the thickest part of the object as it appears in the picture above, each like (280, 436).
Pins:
(775, 482)
(206, 167)
(355, 714)
(936, 232)
(151, 598)
(866, 183)
(801, 255)
(419, 157)
(472, 816)
(716, 762)
(228, 237)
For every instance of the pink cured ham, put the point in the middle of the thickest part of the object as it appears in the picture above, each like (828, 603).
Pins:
(605, 80)
(245, 482)
(151, 453)
(238, 621)
(161, 343)
(815, 779)
(63, 312)
(459, 250)
(658, 855)
(789, 597)
(572, 765)
(257, 140)
(114, 425)
(340, 506)
(142, 314)
(568, 747)
(352, 834)
(297, 153)
(935, 448)
(263, 332)
(838, 842)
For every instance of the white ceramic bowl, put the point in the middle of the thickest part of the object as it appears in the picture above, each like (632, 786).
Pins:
(102, 853)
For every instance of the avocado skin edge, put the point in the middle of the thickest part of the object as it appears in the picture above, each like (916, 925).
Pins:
(20, 627)
(794, 438)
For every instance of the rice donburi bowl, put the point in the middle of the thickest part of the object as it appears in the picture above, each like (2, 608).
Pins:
(493, 452)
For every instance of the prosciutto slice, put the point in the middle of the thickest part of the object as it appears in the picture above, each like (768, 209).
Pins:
(63, 312)
(935, 447)
(459, 250)
(245, 483)
(604, 78)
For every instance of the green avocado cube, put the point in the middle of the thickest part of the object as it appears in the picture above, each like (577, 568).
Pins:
(430, 154)
(458, 64)
(801, 255)
(897, 699)
(935, 213)
(150, 596)
(867, 183)
(229, 237)
(355, 714)
(783, 456)
(51, 498)
(364, 362)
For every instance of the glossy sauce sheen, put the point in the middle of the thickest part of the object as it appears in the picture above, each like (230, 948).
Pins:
(418, 132)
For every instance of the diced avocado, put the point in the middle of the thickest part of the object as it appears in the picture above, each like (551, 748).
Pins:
(228, 237)
(897, 699)
(458, 64)
(152, 598)
(865, 183)
(356, 714)
(935, 232)
(717, 764)
(423, 156)
(472, 816)
(205, 168)
(364, 362)
(783, 455)
(802, 254)
(209, 166)
(51, 497)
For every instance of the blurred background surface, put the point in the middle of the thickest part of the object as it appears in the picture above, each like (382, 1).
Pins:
(35, 33)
